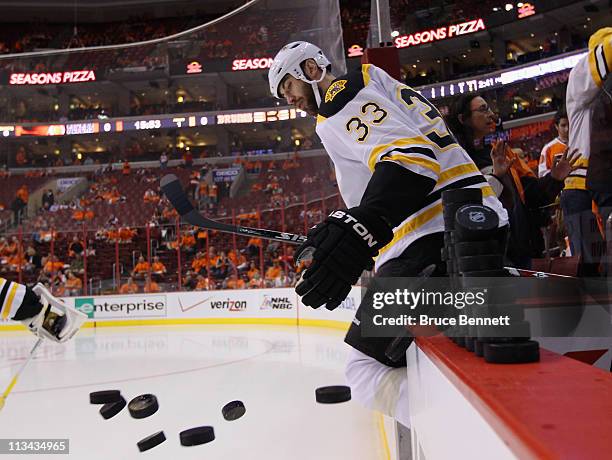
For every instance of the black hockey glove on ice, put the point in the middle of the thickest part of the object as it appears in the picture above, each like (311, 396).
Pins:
(342, 247)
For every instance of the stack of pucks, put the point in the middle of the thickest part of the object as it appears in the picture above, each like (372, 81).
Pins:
(233, 410)
(143, 406)
(196, 436)
(333, 394)
(112, 400)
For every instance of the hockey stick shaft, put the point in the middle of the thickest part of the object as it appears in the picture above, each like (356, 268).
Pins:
(172, 188)
(18, 373)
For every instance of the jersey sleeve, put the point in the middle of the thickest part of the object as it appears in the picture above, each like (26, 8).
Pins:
(589, 73)
(544, 163)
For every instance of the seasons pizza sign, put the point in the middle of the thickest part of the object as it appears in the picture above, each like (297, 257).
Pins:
(441, 33)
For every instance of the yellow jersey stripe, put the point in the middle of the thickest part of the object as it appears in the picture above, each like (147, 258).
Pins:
(9, 301)
(414, 223)
(321, 118)
(456, 171)
(410, 160)
(376, 151)
(365, 71)
(575, 183)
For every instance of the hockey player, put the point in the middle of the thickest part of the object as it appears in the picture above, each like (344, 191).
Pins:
(41, 312)
(589, 108)
(393, 157)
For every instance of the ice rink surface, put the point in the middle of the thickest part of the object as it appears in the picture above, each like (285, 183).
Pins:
(193, 371)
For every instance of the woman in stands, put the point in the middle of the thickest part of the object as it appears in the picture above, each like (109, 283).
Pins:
(517, 187)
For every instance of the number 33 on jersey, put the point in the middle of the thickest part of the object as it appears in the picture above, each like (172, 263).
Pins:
(367, 117)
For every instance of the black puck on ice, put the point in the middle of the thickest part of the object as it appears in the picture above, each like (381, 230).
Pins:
(197, 436)
(111, 409)
(151, 441)
(333, 394)
(233, 410)
(104, 397)
(143, 406)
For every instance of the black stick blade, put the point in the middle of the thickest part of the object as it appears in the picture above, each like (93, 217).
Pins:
(171, 187)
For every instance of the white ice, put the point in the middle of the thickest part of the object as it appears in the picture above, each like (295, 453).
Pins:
(193, 371)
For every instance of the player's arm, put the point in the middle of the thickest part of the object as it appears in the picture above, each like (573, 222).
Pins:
(345, 243)
(41, 312)
(543, 165)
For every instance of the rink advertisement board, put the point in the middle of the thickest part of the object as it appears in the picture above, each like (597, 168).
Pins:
(123, 307)
(233, 306)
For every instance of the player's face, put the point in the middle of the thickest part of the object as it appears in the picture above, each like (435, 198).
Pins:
(563, 129)
(482, 118)
(299, 94)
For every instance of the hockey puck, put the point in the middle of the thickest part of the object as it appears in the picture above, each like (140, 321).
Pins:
(475, 263)
(478, 345)
(512, 353)
(333, 394)
(104, 397)
(233, 410)
(474, 222)
(151, 441)
(197, 436)
(143, 406)
(111, 409)
(476, 248)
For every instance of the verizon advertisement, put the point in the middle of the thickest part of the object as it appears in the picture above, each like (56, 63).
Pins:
(54, 78)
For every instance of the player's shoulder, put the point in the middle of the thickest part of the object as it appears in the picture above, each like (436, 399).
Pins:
(343, 90)
(550, 144)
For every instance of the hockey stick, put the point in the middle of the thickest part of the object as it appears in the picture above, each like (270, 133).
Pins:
(17, 374)
(171, 187)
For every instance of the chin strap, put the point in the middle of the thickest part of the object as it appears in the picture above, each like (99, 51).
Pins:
(315, 87)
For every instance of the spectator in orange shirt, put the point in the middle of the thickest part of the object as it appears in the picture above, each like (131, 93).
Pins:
(130, 287)
(203, 284)
(53, 265)
(188, 242)
(158, 268)
(151, 286)
(274, 272)
(150, 196)
(73, 285)
(199, 263)
(141, 268)
(234, 282)
(253, 270)
(23, 193)
(126, 234)
(126, 169)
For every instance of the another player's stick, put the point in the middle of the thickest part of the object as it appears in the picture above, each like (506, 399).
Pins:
(16, 376)
(171, 187)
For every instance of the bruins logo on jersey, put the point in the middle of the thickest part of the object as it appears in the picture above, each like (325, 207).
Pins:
(334, 89)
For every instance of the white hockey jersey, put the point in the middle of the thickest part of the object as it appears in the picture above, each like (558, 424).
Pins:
(585, 81)
(367, 117)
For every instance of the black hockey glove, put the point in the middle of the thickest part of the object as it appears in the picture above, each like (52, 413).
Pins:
(341, 247)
